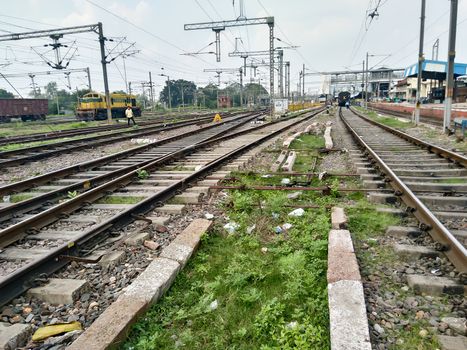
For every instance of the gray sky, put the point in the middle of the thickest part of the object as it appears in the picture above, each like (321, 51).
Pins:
(332, 35)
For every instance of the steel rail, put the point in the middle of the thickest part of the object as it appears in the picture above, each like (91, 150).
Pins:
(60, 133)
(24, 278)
(73, 169)
(453, 156)
(455, 251)
(86, 184)
(78, 144)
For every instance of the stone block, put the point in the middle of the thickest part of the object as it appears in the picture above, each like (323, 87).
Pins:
(159, 220)
(176, 209)
(382, 198)
(113, 325)
(452, 343)
(289, 163)
(403, 231)
(435, 286)
(340, 241)
(14, 336)
(342, 266)
(411, 252)
(112, 258)
(457, 324)
(188, 198)
(136, 238)
(59, 291)
(338, 218)
(347, 315)
(191, 235)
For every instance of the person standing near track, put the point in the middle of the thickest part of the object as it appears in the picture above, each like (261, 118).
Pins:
(129, 115)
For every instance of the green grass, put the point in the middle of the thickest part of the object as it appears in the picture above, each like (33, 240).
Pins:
(15, 198)
(459, 180)
(20, 128)
(272, 300)
(304, 160)
(393, 122)
(120, 200)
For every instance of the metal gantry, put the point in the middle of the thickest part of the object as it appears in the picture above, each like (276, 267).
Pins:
(218, 26)
(51, 33)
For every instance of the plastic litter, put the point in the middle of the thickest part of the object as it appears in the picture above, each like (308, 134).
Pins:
(294, 195)
(275, 215)
(292, 325)
(278, 229)
(250, 229)
(55, 329)
(6, 199)
(231, 227)
(213, 305)
(266, 176)
(321, 175)
(285, 181)
(209, 216)
(286, 226)
(297, 212)
(264, 250)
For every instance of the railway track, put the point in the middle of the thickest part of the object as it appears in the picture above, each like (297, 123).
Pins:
(24, 155)
(55, 134)
(42, 242)
(429, 180)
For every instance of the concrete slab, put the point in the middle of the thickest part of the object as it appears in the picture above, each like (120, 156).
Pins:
(13, 253)
(188, 198)
(280, 159)
(382, 198)
(411, 252)
(289, 162)
(403, 231)
(183, 246)
(392, 211)
(452, 343)
(112, 259)
(137, 238)
(177, 209)
(113, 325)
(338, 218)
(435, 286)
(59, 291)
(110, 206)
(159, 220)
(342, 266)
(340, 241)
(14, 336)
(327, 138)
(347, 315)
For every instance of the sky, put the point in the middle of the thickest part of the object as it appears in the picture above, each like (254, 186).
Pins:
(327, 35)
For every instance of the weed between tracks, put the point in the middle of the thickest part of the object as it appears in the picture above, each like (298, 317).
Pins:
(257, 290)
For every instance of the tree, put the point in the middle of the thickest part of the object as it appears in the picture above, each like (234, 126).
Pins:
(208, 96)
(181, 92)
(6, 94)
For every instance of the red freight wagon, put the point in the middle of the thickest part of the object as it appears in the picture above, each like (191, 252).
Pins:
(24, 108)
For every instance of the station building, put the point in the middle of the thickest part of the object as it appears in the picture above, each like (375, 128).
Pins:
(433, 82)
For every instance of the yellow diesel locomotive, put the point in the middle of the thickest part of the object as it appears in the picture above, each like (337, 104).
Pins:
(92, 106)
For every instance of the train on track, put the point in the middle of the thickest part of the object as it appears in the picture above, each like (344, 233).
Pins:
(23, 108)
(342, 98)
(92, 106)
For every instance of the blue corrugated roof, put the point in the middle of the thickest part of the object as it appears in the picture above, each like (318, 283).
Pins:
(435, 67)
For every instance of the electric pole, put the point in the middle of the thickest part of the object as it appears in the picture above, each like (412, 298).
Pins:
(366, 82)
(303, 83)
(420, 63)
(450, 72)
(151, 91)
(104, 70)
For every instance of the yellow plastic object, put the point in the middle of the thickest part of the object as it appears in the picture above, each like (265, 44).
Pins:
(217, 118)
(55, 329)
